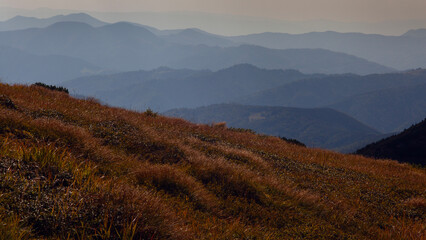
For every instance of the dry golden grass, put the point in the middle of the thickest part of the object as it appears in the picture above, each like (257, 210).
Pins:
(73, 168)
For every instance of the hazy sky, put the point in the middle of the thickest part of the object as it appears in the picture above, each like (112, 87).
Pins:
(338, 10)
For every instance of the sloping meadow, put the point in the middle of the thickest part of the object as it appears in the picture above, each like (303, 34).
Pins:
(73, 168)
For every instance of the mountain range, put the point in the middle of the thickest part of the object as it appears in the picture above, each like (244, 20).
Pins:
(319, 127)
(400, 52)
(367, 98)
(385, 102)
(125, 46)
(392, 109)
(17, 66)
(22, 22)
(164, 88)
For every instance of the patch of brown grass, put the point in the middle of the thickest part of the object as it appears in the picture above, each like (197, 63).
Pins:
(74, 168)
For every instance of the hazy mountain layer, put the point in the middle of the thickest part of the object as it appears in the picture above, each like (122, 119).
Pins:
(388, 102)
(401, 52)
(322, 127)
(17, 66)
(163, 89)
(126, 46)
(21, 22)
(388, 110)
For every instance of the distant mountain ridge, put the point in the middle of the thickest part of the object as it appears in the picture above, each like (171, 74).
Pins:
(363, 97)
(400, 52)
(407, 146)
(420, 33)
(320, 127)
(332, 88)
(17, 66)
(164, 88)
(21, 22)
(126, 47)
(388, 110)
(197, 37)
(385, 102)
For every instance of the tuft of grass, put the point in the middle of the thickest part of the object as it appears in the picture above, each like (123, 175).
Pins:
(177, 183)
(11, 228)
(417, 202)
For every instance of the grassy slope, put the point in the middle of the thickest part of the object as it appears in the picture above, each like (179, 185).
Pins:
(74, 168)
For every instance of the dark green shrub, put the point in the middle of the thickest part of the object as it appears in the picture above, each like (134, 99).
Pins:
(150, 113)
(293, 141)
(51, 87)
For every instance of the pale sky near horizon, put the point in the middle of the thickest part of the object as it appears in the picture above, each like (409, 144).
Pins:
(298, 10)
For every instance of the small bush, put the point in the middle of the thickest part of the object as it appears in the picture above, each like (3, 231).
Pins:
(5, 101)
(293, 141)
(150, 113)
(11, 228)
(51, 87)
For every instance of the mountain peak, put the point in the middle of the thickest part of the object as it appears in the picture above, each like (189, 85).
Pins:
(80, 15)
(20, 18)
(125, 28)
(416, 33)
(189, 31)
(194, 31)
(23, 22)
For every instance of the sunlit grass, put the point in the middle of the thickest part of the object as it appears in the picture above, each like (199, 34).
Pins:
(75, 169)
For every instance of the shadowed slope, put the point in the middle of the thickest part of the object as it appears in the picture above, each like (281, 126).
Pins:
(407, 146)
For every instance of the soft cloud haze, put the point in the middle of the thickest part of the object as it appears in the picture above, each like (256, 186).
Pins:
(339, 10)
